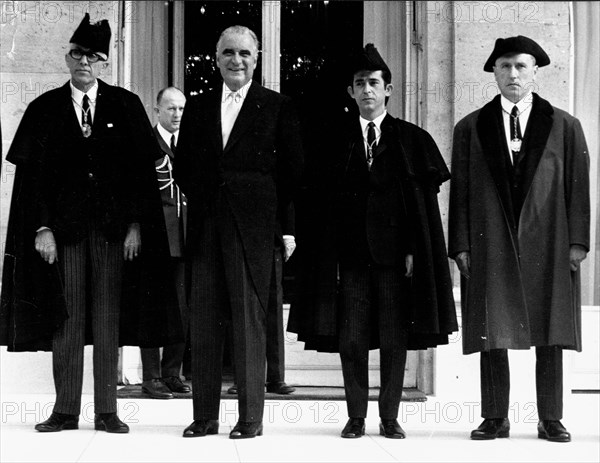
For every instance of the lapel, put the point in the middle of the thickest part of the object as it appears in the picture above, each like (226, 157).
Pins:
(387, 128)
(490, 130)
(166, 149)
(103, 103)
(248, 114)
(536, 136)
(213, 120)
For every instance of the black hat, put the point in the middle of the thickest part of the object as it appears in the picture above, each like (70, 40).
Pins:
(518, 44)
(96, 36)
(368, 59)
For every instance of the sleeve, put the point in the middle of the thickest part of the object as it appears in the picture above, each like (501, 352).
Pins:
(577, 185)
(458, 214)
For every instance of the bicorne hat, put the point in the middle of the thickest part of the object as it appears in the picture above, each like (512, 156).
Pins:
(95, 36)
(367, 59)
(518, 44)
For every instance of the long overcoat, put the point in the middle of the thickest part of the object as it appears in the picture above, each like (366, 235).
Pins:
(59, 178)
(521, 291)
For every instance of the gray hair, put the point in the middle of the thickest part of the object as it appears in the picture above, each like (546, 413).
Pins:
(241, 30)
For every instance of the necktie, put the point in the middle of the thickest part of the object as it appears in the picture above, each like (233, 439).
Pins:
(515, 135)
(86, 114)
(371, 139)
(173, 143)
(229, 114)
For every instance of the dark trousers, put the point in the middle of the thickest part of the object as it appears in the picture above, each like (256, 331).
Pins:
(222, 293)
(275, 331)
(105, 260)
(172, 355)
(495, 383)
(372, 298)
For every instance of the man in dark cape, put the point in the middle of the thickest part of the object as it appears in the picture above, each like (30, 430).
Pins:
(519, 226)
(84, 196)
(379, 229)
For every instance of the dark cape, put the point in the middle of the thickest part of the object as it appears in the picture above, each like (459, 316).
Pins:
(314, 310)
(32, 303)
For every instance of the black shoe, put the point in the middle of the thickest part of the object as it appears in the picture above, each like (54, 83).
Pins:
(200, 428)
(110, 422)
(391, 429)
(553, 430)
(175, 384)
(491, 428)
(355, 427)
(156, 389)
(233, 390)
(280, 387)
(246, 430)
(58, 422)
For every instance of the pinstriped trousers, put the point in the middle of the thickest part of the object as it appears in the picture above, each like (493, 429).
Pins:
(222, 292)
(372, 298)
(103, 286)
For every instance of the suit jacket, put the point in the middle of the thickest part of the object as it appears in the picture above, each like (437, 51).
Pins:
(518, 224)
(374, 222)
(174, 201)
(65, 181)
(253, 175)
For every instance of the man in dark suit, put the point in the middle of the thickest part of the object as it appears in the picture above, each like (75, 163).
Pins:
(519, 227)
(239, 158)
(378, 217)
(162, 377)
(86, 192)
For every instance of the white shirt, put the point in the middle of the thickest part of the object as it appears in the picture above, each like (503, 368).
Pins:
(524, 107)
(231, 104)
(364, 123)
(166, 135)
(77, 97)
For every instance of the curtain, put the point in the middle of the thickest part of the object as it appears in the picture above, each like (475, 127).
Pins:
(149, 51)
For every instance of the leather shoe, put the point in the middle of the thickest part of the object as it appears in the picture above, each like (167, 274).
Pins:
(175, 384)
(110, 422)
(553, 430)
(246, 430)
(280, 387)
(355, 427)
(391, 429)
(233, 390)
(491, 428)
(58, 422)
(200, 428)
(156, 389)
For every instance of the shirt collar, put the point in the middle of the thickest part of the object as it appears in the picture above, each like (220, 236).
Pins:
(77, 94)
(377, 121)
(522, 105)
(242, 92)
(166, 135)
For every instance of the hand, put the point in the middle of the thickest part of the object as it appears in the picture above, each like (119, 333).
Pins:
(463, 261)
(576, 255)
(133, 242)
(408, 260)
(45, 244)
(289, 244)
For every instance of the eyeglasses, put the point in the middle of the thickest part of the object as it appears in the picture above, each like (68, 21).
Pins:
(91, 57)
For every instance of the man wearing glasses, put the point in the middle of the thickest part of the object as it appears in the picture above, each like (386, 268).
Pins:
(85, 194)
